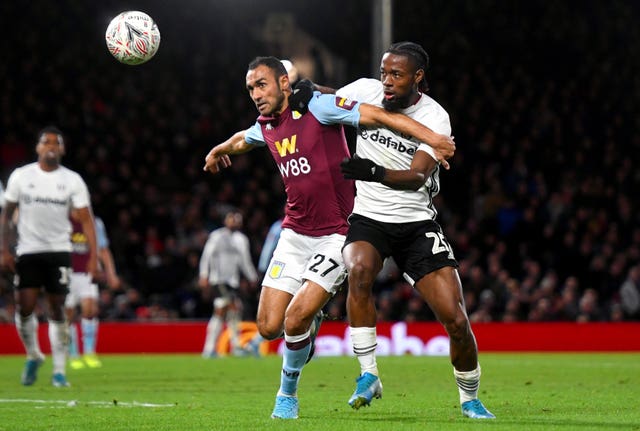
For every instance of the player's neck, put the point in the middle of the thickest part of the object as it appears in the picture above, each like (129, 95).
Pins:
(48, 167)
(415, 97)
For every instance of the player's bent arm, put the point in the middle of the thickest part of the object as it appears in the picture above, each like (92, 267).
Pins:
(218, 157)
(85, 217)
(443, 145)
(415, 177)
(6, 258)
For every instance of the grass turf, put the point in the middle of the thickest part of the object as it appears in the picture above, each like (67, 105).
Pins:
(186, 392)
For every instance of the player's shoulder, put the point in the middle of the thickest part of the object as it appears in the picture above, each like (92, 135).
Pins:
(22, 173)
(29, 167)
(71, 175)
(360, 86)
(429, 106)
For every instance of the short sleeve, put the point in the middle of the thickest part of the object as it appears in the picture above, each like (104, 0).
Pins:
(253, 135)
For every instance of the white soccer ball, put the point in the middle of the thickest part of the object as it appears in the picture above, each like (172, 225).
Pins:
(133, 37)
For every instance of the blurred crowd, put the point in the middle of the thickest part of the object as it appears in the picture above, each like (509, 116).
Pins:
(539, 203)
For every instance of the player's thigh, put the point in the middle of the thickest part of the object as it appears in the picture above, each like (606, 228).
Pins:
(57, 273)
(367, 244)
(442, 290)
(82, 291)
(307, 302)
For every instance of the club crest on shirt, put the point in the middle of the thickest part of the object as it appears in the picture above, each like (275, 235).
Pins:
(276, 269)
(344, 103)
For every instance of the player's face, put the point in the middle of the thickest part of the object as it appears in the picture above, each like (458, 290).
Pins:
(266, 91)
(399, 81)
(233, 221)
(50, 149)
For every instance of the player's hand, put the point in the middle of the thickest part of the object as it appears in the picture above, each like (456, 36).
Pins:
(215, 163)
(92, 267)
(444, 148)
(301, 95)
(113, 281)
(356, 168)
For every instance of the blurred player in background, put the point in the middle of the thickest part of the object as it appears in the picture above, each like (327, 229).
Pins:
(83, 291)
(225, 256)
(306, 268)
(268, 247)
(45, 192)
(394, 215)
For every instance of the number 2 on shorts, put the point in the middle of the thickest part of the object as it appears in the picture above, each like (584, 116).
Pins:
(320, 258)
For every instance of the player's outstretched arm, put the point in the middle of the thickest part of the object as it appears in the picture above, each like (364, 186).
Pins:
(218, 158)
(443, 145)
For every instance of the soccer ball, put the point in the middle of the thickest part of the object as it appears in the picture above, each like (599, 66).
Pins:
(132, 37)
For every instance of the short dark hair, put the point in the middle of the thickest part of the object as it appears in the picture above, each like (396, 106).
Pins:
(417, 54)
(50, 129)
(271, 62)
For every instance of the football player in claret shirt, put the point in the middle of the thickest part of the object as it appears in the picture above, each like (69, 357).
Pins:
(83, 292)
(45, 193)
(307, 267)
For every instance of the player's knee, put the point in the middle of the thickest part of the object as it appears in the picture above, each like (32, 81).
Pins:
(458, 328)
(361, 277)
(269, 330)
(295, 324)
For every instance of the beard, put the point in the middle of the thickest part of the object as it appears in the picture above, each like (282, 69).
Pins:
(51, 160)
(398, 103)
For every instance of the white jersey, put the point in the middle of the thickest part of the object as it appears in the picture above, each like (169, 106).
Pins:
(45, 200)
(395, 151)
(225, 255)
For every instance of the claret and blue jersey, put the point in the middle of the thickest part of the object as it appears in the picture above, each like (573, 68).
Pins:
(307, 150)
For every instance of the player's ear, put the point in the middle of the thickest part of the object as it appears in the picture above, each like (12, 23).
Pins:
(418, 77)
(285, 84)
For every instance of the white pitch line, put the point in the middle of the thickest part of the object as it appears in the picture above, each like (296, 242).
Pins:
(73, 403)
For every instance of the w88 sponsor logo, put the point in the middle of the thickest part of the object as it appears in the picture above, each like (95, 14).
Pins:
(295, 167)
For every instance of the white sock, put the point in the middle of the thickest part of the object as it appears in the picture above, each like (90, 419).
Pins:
(59, 339)
(28, 331)
(468, 383)
(364, 344)
(213, 331)
(233, 322)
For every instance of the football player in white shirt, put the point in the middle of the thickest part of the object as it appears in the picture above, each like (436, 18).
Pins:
(45, 192)
(225, 256)
(394, 216)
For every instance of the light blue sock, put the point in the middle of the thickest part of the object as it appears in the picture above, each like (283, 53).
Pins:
(89, 335)
(73, 341)
(295, 355)
(256, 340)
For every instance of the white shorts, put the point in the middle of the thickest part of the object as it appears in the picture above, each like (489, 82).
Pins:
(80, 287)
(300, 257)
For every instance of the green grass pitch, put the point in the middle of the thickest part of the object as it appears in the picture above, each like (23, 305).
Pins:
(185, 392)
